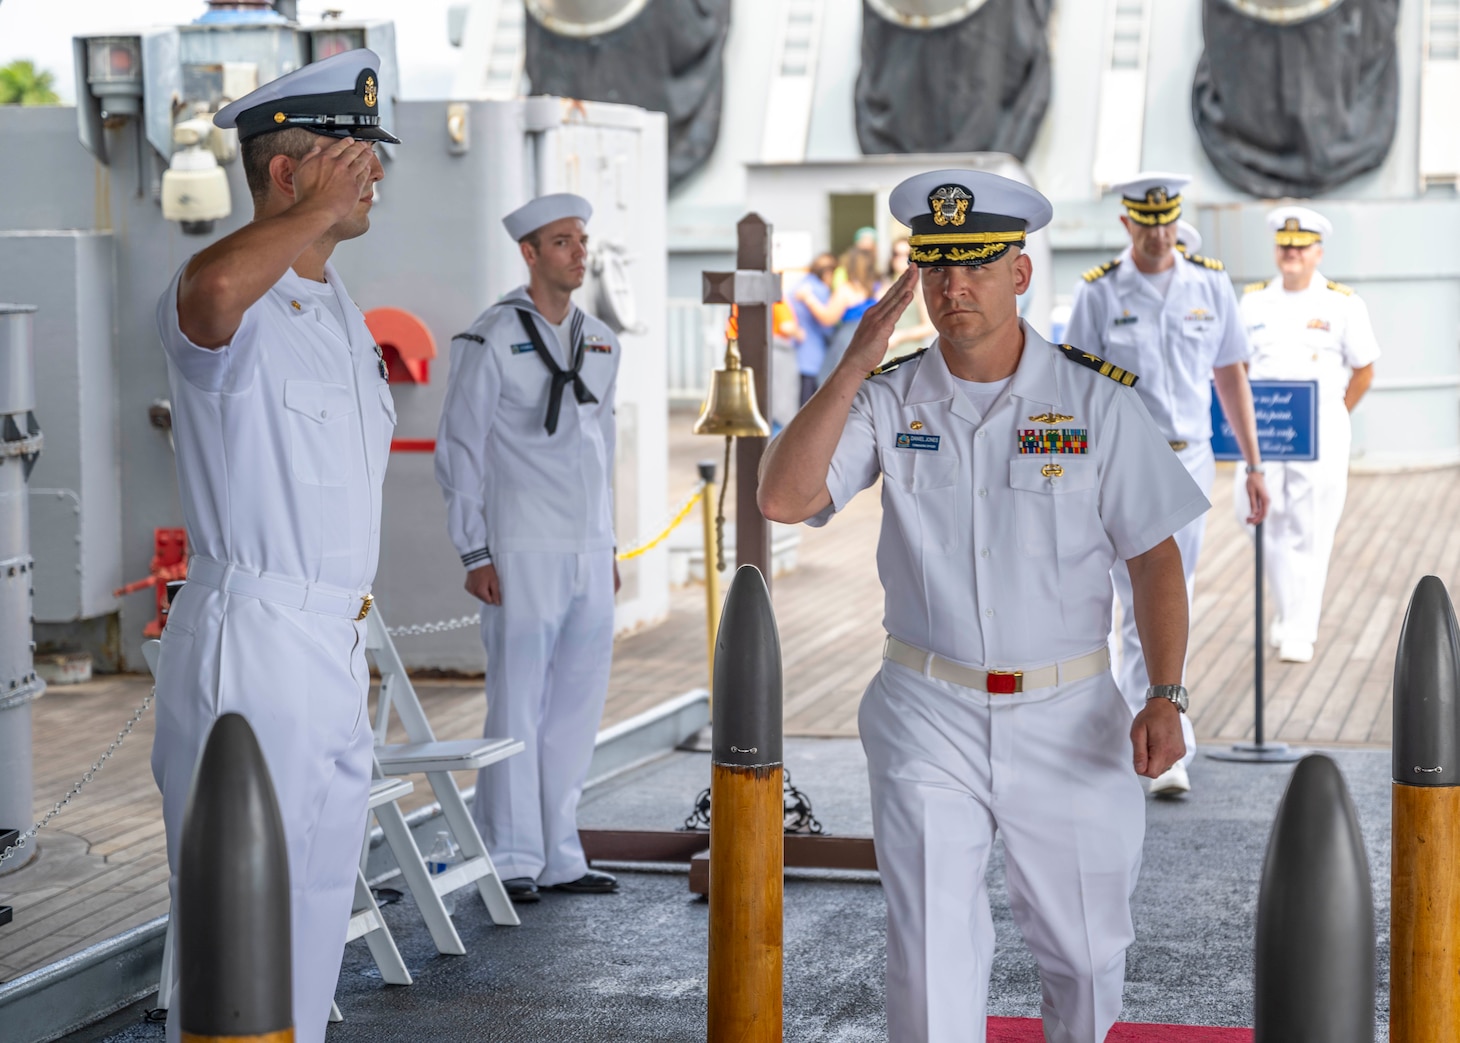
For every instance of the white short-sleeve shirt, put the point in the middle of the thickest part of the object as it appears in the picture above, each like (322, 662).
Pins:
(1321, 333)
(282, 436)
(1173, 341)
(999, 531)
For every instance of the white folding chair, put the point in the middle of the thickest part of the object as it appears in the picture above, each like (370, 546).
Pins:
(436, 759)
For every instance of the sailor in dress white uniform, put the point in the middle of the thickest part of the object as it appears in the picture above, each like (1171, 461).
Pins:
(1014, 473)
(1170, 316)
(282, 420)
(1304, 327)
(524, 457)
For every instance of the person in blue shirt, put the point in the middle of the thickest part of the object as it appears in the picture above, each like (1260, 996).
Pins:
(817, 316)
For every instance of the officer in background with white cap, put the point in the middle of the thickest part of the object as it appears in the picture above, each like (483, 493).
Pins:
(1304, 327)
(282, 421)
(1188, 239)
(1170, 316)
(1014, 474)
(524, 457)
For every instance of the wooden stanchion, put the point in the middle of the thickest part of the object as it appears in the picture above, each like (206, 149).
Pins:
(712, 562)
(233, 898)
(1315, 949)
(1424, 912)
(747, 818)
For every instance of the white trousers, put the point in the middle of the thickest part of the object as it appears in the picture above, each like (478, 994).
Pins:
(1297, 536)
(1051, 769)
(1125, 648)
(300, 678)
(549, 648)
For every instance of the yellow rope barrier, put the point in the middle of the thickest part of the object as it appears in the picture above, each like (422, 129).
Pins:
(674, 524)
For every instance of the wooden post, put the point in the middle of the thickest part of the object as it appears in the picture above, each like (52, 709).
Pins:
(712, 572)
(233, 898)
(752, 531)
(746, 825)
(1424, 957)
(1315, 949)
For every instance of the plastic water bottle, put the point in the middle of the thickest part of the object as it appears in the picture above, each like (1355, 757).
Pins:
(439, 859)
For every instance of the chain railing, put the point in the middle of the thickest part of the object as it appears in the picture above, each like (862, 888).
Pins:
(75, 790)
(408, 630)
(676, 519)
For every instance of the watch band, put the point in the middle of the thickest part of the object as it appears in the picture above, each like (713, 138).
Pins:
(1172, 692)
(1257, 468)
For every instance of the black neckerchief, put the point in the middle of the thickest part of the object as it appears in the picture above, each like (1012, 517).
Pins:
(561, 377)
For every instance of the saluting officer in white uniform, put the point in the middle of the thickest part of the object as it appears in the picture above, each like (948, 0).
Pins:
(282, 421)
(1304, 327)
(524, 457)
(1170, 316)
(1014, 474)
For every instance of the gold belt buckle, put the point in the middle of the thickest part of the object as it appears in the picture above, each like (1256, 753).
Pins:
(1005, 682)
(1177, 446)
(367, 601)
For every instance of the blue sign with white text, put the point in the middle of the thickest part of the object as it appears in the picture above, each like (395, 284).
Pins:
(1287, 421)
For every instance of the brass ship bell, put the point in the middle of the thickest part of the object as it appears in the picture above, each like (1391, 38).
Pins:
(730, 408)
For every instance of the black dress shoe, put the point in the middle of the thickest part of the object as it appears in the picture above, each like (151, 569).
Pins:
(590, 883)
(521, 889)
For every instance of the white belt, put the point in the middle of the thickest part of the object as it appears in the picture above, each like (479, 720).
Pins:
(279, 590)
(995, 682)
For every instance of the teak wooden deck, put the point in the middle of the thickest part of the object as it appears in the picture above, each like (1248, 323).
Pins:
(103, 864)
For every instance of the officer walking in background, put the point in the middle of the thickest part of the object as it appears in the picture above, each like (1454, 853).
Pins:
(1014, 474)
(1172, 318)
(1303, 327)
(282, 420)
(524, 457)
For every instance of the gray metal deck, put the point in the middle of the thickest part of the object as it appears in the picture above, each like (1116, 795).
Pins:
(632, 966)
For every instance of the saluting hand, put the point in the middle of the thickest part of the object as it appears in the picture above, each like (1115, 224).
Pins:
(869, 343)
(334, 175)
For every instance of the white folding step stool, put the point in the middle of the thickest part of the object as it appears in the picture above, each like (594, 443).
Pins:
(436, 759)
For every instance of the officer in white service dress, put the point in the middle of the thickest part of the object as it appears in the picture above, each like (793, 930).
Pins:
(1304, 327)
(1170, 316)
(282, 421)
(524, 457)
(1014, 474)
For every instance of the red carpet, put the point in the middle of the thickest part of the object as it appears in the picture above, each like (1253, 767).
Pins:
(1028, 1030)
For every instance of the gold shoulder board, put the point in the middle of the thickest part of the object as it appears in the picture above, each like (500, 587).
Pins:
(891, 364)
(1206, 262)
(1101, 270)
(1338, 287)
(1099, 365)
(1253, 287)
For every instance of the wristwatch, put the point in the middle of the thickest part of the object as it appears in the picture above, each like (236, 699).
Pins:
(1257, 468)
(1174, 692)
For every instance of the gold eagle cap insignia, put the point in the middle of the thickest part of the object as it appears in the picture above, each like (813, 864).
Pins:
(370, 92)
(1051, 418)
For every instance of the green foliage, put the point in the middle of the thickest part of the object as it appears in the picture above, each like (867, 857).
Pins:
(22, 84)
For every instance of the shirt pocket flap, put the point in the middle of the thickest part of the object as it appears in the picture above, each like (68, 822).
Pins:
(1054, 474)
(917, 470)
(317, 400)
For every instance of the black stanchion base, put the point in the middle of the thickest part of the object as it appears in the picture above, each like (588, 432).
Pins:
(1260, 753)
(4, 915)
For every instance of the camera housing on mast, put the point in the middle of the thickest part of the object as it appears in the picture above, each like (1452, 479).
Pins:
(194, 187)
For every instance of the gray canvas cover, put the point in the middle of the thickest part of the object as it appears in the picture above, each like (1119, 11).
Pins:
(1297, 109)
(978, 85)
(667, 59)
